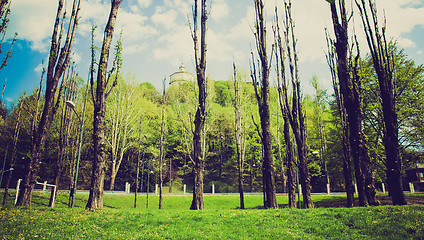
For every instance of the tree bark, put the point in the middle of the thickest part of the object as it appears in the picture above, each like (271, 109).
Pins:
(95, 199)
(199, 121)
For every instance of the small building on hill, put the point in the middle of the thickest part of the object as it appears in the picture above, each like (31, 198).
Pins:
(181, 76)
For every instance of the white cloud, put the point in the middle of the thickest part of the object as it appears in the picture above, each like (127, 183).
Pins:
(219, 10)
(134, 27)
(406, 43)
(175, 47)
(39, 68)
(33, 20)
(165, 18)
(145, 3)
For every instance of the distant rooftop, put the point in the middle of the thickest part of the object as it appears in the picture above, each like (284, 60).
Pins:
(181, 76)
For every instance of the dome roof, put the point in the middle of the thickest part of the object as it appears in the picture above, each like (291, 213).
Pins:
(181, 76)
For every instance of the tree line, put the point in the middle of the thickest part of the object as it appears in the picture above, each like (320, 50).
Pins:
(243, 134)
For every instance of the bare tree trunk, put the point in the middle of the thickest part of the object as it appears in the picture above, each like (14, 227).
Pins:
(58, 61)
(162, 143)
(13, 152)
(65, 125)
(199, 121)
(347, 171)
(296, 116)
(383, 65)
(350, 90)
(239, 136)
(283, 100)
(95, 199)
(268, 171)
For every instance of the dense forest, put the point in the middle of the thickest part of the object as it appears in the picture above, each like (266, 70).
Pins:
(254, 132)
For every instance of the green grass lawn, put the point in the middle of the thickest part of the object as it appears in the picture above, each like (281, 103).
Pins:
(221, 219)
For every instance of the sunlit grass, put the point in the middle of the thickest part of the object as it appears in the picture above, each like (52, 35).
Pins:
(221, 219)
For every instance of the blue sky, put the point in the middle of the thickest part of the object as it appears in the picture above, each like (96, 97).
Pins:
(157, 40)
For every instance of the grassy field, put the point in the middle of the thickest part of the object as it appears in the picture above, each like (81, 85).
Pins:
(220, 220)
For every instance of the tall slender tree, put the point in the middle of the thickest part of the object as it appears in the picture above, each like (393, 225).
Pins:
(296, 115)
(12, 154)
(99, 95)
(384, 64)
(199, 121)
(283, 99)
(347, 168)
(240, 135)
(119, 117)
(350, 91)
(263, 98)
(162, 146)
(65, 124)
(59, 57)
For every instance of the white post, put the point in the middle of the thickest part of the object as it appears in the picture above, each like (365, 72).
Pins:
(54, 196)
(328, 189)
(127, 187)
(156, 189)
(213, 189)
(383, 187)
(17, 190)
(185, 188)
(411, 187)
(356, 189)
(44, 186)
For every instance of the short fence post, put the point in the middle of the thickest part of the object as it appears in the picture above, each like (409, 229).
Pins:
(17, 190)
(54, 196)
(185, 188)
(411, 187)
(156, 189)
(213, 189)
(127, 187)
